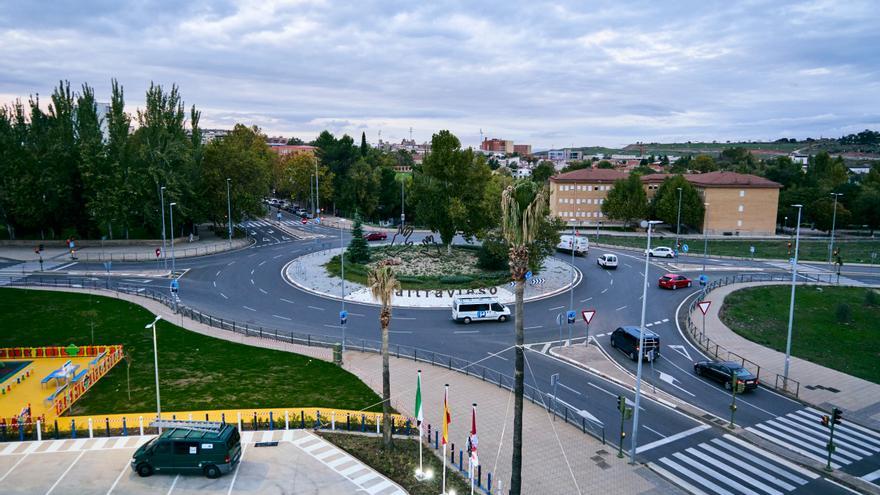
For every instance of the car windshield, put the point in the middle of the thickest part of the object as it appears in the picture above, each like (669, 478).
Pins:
(742, 372)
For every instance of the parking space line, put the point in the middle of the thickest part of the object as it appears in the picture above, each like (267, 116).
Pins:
(77, 444)
(119, 477)
(9, 448)
(173, 484)
(14, 466)
(235, 474)
(65, 472)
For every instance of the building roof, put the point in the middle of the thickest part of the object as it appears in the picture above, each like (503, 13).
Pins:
(731, 179)
(593, 175)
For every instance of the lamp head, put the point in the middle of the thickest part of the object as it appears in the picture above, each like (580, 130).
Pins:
(158, 317)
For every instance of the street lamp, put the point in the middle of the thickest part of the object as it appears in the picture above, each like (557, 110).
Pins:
(678, 223)
(833, 224)
(229, 210)
(342, 264)
(156, 366)
(705, 234)
(164, 251)
(402, 202)
(317, 200)
(794, 260)
(571, 291)
(171, 211)
(649, 224)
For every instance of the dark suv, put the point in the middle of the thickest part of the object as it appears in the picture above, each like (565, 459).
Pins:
(722, 371)
(626, 339)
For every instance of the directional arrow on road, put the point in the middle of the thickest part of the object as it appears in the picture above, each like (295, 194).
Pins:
(681, 350)
(670, 380)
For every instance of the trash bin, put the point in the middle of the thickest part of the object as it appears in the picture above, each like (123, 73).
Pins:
(337, 354)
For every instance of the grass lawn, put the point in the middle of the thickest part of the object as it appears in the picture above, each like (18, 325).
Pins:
(195, 371)
(760, 314)
(851, 251)
(401, 463)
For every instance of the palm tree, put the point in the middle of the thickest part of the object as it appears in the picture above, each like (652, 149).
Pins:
(382, 284)
(522, 209)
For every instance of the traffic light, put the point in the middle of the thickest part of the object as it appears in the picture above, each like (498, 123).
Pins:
(824, 420)
(789, 248)
(621, 403)
(836, 415)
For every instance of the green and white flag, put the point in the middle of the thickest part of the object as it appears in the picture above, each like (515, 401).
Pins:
(418, 409)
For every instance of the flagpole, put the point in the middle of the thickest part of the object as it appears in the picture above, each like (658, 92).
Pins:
(445, 432)
(421, 473)
(473, 445)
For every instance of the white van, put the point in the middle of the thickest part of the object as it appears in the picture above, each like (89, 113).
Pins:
(468, 309)
(577, 243)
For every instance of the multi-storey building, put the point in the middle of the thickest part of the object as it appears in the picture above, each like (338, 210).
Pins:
(738, 203)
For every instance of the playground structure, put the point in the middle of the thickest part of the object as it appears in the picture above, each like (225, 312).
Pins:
(41, 383)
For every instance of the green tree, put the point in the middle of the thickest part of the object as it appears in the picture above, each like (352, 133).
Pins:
(448, 188)
(364, 147)
(295, 178)
(543, 172)
(576, 165)
(703, 164)
(361, 190)
(784, 171)
(605, 164)
(822, 213)
(665, 203)
(626, 200)
(358, 250)
(244, 157)
(867, 207)
(383, 283)
(295, 141)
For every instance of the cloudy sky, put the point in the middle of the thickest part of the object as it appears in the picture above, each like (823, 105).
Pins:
(550, 74)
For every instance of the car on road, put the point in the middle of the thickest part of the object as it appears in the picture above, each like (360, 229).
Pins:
(607, 261)
(723, 371)
(673, 281)
(660, 252)
(376, 236)
(579, 245)
(626, 340)
(192, 447)
(304, 220)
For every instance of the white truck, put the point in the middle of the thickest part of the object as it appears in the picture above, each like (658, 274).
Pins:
(577, 243)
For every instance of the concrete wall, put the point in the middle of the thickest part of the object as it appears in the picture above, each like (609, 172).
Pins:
(746, 211)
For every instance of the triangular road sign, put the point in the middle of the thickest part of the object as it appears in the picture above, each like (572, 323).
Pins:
(704, 306)
(588, 315)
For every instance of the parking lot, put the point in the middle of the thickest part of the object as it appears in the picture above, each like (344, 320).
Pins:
(301, 463)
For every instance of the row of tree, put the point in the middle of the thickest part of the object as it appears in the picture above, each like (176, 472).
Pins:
(71, 170)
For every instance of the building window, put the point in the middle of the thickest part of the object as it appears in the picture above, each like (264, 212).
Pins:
(740, 208)
(742, 194)
(739, 223)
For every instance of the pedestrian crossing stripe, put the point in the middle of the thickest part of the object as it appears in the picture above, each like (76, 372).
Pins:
(729, 465)
(800, 431)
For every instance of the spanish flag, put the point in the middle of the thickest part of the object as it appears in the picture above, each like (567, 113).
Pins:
(447, 417)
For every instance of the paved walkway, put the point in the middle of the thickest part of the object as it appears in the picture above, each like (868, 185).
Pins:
(559, 459)
(820, 386)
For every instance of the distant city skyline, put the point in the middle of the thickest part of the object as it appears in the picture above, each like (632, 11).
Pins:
(551, 75)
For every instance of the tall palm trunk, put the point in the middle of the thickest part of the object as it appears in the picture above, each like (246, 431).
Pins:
(386, 380)
(519, 372)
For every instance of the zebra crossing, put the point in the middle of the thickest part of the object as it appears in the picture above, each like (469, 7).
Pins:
(802, 432)
(728, 466)
(287, 228)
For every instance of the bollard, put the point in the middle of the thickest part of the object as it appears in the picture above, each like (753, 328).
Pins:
(72, 428)
(436, 440)
(348, 421)
(239, 421)
(489, 482)
(223, 418)
(302, 419)
(317, 419)
(286, 420)
(271, 422)
(480, 475)
(452, 453)
(206, 417)
(20, 429)
(107, 425)
(408, 427)
(141, 425)
(332, 420)
(377, 424)
(191, 417)
(459, 460)
(429, 434)
(91, 433)
(254, 421)
(363, 423)
(39, 431)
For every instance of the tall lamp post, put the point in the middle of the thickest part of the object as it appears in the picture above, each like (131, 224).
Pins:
(171, 211)
(229, 210)
(705, 234)
(342, 264)
(317, 200)
(794, 260)
(571, 291)
(678, 222)
(632, 455)
(833, 225)
(156, 366)
(164, 252)
(402, 202)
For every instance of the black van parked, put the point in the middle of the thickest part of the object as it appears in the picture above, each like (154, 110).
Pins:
(627, 340)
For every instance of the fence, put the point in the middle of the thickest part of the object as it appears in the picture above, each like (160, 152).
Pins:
(782, 384)
(536, 396)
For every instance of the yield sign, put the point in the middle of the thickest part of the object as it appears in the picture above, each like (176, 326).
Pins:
(588, 315)
(704, 306)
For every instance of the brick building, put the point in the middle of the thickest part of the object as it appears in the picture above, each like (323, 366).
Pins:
(289, 149)
(738, 203)
(497, 145)
(523, 149)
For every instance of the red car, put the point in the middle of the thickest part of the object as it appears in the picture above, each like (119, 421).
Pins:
(376, 236)
(304, 220)
(672, 281)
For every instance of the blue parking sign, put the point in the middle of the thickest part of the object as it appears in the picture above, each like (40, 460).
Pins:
(684, 248)
(571, 315)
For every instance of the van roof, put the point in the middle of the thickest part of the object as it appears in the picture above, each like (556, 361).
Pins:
(187, 434)
(633, 330)
(480, 299)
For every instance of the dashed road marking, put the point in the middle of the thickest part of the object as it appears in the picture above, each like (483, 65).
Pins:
(224, 295)
(587, 299)
(557, 307)
(466, 331)
(319, 309)
(533, 327)
(282, 317)
(261, 290)
(248, 308)
(287, 301)
(622, 307)
(605, 290)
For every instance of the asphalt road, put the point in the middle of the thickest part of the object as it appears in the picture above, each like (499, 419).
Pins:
(247, 286)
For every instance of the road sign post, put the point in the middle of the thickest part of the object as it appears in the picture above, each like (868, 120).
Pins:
(836, 417)
(587, 315)
(736, 387)
(554, 382)
(559, 323)
(625, 414)
(704, 307)
(571, 316)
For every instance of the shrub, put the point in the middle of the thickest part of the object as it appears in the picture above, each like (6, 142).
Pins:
(492, 255)
(358, 250)
(456, 279)
(871, 298)
(843, 313)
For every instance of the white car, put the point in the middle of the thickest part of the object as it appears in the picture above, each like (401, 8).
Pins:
(661, 252)
(607, 261)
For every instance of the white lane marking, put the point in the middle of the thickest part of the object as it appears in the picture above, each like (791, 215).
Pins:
(9, 448)
(681, 350)
(605, 290)
(27, 453)
(332, 326)
(665, 320)
(649, 325)
(658, 322)
(732, 472)
(215, 284)
(677, 436)
(65, 472)
(670, 380)
(62, 267)
(841, 486)
(230, 263)
(99, 444)
(466, 331)
(282, 317)
(224, 295)
(404, 318)
(696, 477)
(566, 387)
(287, 301)
(612, 280)
(587, 299)
(557, 307)
(173, 484)
(54, 446)
(399, 331)
(217, 274)
(711, 472)
(252, 282)
(652, 430)
(496, 354)
(355, 314)
(545, 348)
(252, 271)
(315, 307)
(807, 453)
(533, 327)
(676, 480)
(758, 472)
(261, 263)
(261, 290)
(870, 477)
(235, 474)
(622, 307)
(116, 482)
(248, 308)
(600, 335)
(612, 394)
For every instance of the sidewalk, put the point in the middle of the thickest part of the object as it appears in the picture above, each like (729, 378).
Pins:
(119, 250)
(549, 447)
(820, 386)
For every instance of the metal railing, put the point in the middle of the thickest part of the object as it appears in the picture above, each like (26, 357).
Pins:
(469, 368)
(788, 385)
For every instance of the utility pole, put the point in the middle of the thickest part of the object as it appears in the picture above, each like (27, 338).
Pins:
(164, 253)
(229, 210)
(833, 224)
(317, 191)
(402, 202)
(678, 223)
(794, 261)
